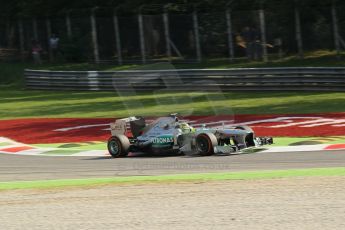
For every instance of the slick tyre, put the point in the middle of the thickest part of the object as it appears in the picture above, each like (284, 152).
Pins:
(118, 146)
(205, 143)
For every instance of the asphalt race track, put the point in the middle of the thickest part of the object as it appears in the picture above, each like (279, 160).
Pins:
(15, 167)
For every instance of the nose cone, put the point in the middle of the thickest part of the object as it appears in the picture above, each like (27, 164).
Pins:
(234, 132)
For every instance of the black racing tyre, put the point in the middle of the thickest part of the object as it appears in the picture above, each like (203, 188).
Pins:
(205, 143)
(118, 146)
(250, 137)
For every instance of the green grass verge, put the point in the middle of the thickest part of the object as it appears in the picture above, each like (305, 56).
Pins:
(16, 103)
(83, 146)
(29, 104)
(48, 184)
(62, 152)
(4, 144)
(288, 141)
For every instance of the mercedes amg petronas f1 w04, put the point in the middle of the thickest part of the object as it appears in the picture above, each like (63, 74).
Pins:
(171, 135)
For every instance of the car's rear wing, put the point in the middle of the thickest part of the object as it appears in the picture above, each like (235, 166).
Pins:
(119, 127)
(123, 126)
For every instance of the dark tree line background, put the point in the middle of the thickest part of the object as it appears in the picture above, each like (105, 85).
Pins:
(28, 8)
(316, 18)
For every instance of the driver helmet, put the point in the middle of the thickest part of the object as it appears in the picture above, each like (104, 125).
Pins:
(186, 128)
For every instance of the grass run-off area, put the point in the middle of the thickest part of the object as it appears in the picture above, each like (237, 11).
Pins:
(28, 104)
(16, 102)
(50, 184)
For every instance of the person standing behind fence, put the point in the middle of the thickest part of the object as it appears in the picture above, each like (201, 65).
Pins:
(36, 50)
(249, 42)
(253, 44)
(257, 44)
(54, 46)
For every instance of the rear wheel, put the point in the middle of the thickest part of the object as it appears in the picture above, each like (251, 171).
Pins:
(118, 146)
(205, 143)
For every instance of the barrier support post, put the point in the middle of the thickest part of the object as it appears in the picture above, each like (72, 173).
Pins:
(142, 38)
(49, 34)
(197, 36)
(21, 38)
(335, 28)
(94, 35)
(167, 32)
(68, 25)
(263, 34)
(229, 32)
(298, 31)
(117, 38)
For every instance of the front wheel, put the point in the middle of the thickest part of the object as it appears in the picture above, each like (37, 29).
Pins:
(205, 143)
(118, 146)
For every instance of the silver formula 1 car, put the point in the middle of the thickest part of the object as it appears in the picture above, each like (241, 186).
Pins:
(170, 135)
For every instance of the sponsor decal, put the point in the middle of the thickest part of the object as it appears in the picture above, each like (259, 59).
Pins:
(162, 141)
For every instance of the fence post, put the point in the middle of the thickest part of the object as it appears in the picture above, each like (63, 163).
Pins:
(35, 30)
(49, 34)
(298, 32)
(229, 30)
(94, 35)
(263, 34)
(142, 38)
(335, 28)
(68, 25)
(167, 32)
(196, 35)
(21, 38)
(117, 38)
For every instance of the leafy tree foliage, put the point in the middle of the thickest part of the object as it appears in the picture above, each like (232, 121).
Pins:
(17, 8)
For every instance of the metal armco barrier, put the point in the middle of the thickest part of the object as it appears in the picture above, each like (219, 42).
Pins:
(269, 79)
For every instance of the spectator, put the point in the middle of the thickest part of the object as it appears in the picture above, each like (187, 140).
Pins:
(248, 40)
(257, 45)
(252, 43)
(54, 46)
(36, 50)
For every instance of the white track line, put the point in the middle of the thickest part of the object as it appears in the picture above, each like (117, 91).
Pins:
(80, 127)
(299, 148)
